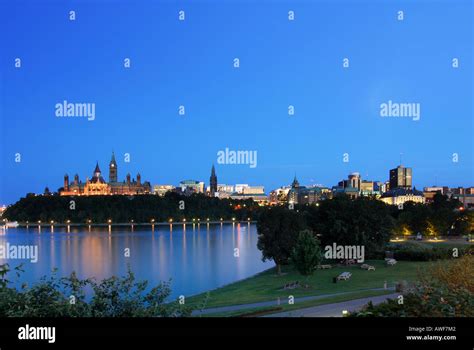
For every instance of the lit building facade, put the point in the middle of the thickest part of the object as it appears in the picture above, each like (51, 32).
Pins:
(399, 196)
(401, 177)
(191, 186)
(160, 190)
(97, 185)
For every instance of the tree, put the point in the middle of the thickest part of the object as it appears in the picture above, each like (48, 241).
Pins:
(278, 230)
(307, 253)
(363, 221)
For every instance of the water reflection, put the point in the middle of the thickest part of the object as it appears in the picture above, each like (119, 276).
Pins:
(196, 257)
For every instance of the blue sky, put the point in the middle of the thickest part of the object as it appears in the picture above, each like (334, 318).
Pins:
(190, 63)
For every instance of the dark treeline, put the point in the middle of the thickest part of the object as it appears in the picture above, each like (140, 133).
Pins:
(372, 221)
(363, 221)
(124, 209)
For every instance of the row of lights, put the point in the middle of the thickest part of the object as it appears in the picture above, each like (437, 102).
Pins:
(109, 221)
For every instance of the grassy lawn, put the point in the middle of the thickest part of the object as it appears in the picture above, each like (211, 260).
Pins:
(268, 286)
(268, 310)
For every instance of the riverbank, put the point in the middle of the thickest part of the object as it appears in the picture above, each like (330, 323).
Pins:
(269, 287)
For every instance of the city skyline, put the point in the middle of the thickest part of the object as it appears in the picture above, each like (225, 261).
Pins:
(135, 185)
(136, 110)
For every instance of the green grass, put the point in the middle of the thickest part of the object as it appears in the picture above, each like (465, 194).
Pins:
(268, 286)
(268, 310)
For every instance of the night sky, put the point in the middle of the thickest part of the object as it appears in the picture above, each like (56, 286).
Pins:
(191, 63)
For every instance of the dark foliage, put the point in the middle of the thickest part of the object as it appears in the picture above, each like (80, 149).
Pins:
(123, 209)
(66, 297)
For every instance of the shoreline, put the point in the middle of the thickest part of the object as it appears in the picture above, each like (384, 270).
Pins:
(121, 224)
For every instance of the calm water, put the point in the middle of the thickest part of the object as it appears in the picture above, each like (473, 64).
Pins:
(197, 258)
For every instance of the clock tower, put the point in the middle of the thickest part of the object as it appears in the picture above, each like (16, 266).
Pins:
(113, 169)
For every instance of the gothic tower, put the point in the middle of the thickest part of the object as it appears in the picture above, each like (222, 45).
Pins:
(66, 182)
(113, 169)
(213, 182)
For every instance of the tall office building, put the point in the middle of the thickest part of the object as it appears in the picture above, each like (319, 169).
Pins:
(401, 177)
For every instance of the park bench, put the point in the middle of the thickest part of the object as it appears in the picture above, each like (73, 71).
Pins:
(323, 267)
(367, 267)
(292, 285)
(390, 262)
(348, 262)
(344, 276)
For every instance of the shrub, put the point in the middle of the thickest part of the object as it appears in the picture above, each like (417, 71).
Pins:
(66, 297)
(417, 252)
(446, 290)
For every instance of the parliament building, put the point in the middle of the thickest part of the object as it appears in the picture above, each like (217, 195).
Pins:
(98, 186)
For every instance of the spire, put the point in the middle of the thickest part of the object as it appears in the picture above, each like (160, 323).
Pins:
(97, 169)
(113, 158)
(295, 183)
(213, 182)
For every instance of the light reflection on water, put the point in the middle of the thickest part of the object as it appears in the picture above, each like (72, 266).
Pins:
(196, 257)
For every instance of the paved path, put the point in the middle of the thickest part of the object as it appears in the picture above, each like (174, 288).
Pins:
(274, 302)
(335, 310)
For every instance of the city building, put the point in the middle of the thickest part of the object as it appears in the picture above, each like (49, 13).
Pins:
(245, 191)
(225, 188)
(97, 185)
(162, 189)
(293, 193)
(467, 199)
(311, 195)
(260, 198)
(400, 177)
(191, 186)
(430, 192)
(437, 189)
(239, 187)
(303, 195)
(354, 183)
(350, 187)
(349, 191)
(279, 195)
(401, 195)
(213, 182)
(253, 190)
